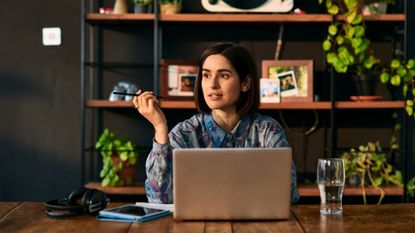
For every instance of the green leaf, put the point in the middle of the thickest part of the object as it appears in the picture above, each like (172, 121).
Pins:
(358, 19)
(356, 42)
(401, 71)
(395, 63)
(350, 4)
(328, 3)
(331, 57)
(350, 32)
(409, 103)
(396, 80)
(404, 89)
(409, 110)
(124, 155)
(333, 9)
(320, 1)
(410, 64)
(351, 16)
(339, 40)
(359, 31)
(326, 45)
(119, 166)
(378, 181)
(105, 182)
(332, 30)
(384, 77)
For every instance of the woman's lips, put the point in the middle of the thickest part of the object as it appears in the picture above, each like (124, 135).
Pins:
(214, 96)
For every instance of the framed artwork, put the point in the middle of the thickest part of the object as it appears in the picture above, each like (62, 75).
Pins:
(178, 78)
(270, 90)
(295, 78)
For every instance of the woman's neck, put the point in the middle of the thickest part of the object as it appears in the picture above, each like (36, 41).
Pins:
(226, 120)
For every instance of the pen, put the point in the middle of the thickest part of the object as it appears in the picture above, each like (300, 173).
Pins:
(133, 94)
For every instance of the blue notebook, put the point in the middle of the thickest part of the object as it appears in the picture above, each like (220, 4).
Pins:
(131, 213)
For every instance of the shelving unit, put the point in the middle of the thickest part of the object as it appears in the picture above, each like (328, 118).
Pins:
(157, 22)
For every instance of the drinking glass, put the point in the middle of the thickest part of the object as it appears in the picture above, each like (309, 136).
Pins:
(330, 180)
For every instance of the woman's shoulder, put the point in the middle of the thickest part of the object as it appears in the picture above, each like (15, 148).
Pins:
(190, 124)
(265, 122)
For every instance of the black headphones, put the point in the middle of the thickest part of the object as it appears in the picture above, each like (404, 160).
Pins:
(79, 201)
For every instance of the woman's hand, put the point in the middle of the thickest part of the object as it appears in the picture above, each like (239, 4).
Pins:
(148, 106)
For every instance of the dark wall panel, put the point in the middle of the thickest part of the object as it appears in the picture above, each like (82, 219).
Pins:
(39, 99)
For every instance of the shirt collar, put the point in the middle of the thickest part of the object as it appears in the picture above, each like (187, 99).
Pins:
(217, 134)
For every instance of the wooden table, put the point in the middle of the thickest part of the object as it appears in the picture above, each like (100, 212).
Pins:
(30, 217)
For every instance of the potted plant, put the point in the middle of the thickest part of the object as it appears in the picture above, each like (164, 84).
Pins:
(143, 6)
(119, 158)
(370, 166)
(347, 49)
(170, 6)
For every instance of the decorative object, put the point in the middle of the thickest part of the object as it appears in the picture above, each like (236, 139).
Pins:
(347, 49)
(369, 165)
(178, 78)
(119, 158)
(296, 78)
(270, 90)
(248, 6)
(143, 6)
(168, 7)
(120, 7)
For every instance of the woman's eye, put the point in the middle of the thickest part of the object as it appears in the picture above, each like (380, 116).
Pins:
(205, 75)
(224, 75)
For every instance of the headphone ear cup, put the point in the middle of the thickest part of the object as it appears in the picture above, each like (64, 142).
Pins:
(93, 201)
(75, 196)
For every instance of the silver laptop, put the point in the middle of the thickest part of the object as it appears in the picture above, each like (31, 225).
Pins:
(237, 183)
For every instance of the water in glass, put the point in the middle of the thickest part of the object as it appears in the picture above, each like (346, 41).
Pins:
(330, 179)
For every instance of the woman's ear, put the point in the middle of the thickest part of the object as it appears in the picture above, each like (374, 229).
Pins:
(246, 84)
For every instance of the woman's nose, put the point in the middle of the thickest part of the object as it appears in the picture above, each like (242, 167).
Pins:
(214, 82)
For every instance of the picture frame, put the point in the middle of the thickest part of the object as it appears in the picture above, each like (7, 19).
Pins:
(177, 79)
(299, 72)
(270, 90)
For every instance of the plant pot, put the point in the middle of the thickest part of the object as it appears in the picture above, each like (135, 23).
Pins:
(365, 85)
(353, 181)
(140, 9)
(168, 8)
(127, 173)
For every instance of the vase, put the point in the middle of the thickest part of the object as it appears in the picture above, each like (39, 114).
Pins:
(168, 9)
(120, 7)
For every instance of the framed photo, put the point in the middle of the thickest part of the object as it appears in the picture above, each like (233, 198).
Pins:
(270, 90)
(178, 79)
(295, 77)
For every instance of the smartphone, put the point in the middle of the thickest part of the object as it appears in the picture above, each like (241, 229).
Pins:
(131, 213)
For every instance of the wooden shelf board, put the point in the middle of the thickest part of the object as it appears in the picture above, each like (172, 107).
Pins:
(128, 190)
(96, 17)
(370, 104)
(233, 18)
(312, 191)
(246, 18)
(174, 104)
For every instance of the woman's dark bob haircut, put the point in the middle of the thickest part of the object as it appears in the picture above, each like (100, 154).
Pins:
(244, 65)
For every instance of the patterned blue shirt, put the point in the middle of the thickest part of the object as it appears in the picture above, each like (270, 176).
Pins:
(201, 131)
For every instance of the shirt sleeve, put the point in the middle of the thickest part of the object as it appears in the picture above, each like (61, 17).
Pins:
(159, 170)
(275, 136)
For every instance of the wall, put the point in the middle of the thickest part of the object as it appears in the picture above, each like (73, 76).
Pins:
(39, 99)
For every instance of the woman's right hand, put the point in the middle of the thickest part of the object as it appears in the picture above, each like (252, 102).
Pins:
(148, 106)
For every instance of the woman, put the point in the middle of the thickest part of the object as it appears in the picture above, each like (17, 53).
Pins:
(227, 97)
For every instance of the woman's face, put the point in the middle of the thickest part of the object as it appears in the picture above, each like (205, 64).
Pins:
(220, 83)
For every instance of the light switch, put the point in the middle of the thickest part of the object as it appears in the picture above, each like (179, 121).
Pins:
(51, 36)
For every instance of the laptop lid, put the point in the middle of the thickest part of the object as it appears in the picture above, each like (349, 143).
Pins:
(232, 183)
